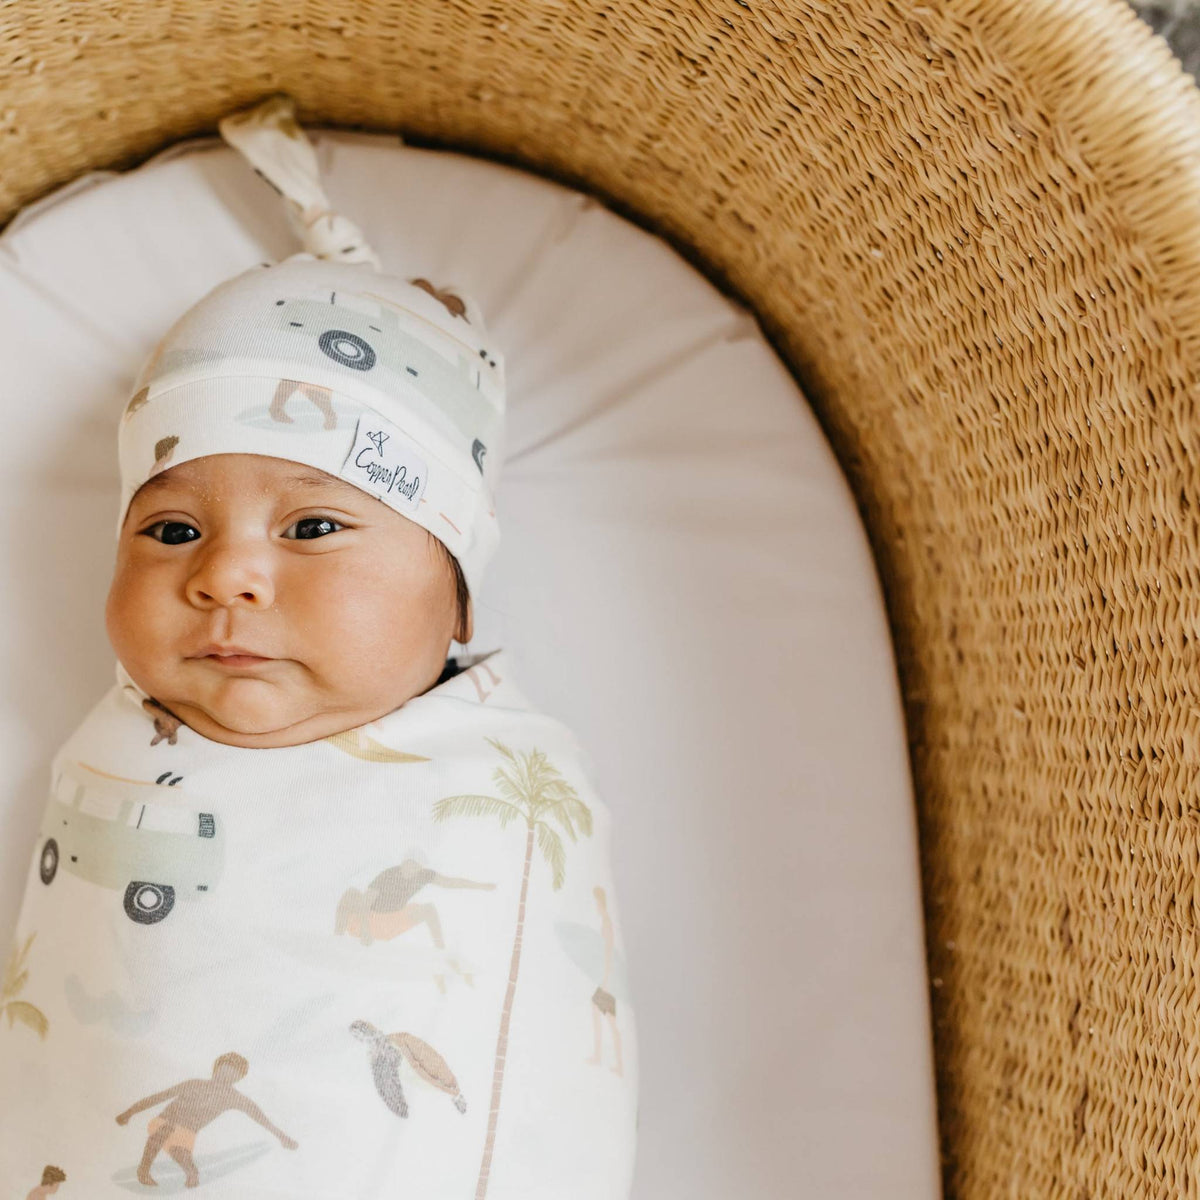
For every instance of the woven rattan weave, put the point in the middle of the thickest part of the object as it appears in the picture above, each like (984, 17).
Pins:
(973, 232)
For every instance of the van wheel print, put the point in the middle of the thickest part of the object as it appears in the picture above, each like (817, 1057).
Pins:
(148, 903)
(48, 866)
(348, 349)
(146, 842)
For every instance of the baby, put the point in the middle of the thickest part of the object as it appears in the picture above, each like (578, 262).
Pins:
(339, 903)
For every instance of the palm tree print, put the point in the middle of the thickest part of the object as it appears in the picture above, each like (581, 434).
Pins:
(535, 791)
(15, 976)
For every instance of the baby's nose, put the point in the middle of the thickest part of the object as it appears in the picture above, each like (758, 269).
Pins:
(231, 578)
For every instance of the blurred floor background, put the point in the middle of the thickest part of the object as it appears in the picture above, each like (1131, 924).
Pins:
(1179, 22)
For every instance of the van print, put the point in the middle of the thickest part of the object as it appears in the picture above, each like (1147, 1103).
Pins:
(118, 833)
(365, 332)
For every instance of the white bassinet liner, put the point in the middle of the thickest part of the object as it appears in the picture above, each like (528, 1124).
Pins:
(673, 522)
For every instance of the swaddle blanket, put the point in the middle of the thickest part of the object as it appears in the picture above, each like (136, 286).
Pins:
(386, 963)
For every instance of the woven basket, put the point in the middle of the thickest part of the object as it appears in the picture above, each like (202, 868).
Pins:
(971, 229)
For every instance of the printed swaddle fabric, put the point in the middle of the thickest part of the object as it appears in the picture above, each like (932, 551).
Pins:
(386, 963)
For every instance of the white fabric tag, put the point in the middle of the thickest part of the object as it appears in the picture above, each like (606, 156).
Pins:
(385, 462)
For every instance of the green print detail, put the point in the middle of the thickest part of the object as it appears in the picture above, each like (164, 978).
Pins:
(109, 1007)
(15, 978)
(115, 833)
(294, 1032)
(375, 333)
(361, 335)
(536, 792)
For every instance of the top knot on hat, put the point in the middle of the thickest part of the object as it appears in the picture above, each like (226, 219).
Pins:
(276, 147)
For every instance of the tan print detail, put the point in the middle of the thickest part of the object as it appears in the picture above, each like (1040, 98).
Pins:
(543, 805)
(449, 522)
(16, 976)
(109, 775)
(471, 350)
(147, 372)
(388, 908)
(454, 304)
(166, 723)
(194, 1103)
(388, 1050)
(361, 745)
(472, 673)
(140, 398)
(175, 1135)
(604, 1003)
(322, 397)
(163, 449)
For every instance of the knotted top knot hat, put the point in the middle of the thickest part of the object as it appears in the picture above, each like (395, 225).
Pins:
(391, 384)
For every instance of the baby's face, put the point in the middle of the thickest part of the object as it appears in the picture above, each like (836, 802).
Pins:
(352, 604)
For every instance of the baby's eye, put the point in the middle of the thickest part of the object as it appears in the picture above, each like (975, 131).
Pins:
(172, 540)
(310, 521)
(190, 532)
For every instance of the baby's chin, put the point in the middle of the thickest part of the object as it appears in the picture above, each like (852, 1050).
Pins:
(254, 726)
(254, 713)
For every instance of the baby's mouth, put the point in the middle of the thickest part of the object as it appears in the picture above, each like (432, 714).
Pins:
(230, 656)
(237, 660)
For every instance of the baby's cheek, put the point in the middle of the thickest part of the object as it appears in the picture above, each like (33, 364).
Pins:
(386, 646)
(147, 604)
(124, 609)
(146, 621)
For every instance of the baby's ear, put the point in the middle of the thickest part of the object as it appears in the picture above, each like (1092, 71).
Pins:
(470, 623)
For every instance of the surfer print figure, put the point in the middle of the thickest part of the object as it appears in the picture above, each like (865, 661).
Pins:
(51, 1178)
(604, 1003)
(387, 909)
(194, 1104)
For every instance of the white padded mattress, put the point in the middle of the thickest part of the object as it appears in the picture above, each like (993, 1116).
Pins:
(682, 577)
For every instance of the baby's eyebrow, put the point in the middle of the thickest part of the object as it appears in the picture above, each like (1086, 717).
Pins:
(289, 483)
(303, 479)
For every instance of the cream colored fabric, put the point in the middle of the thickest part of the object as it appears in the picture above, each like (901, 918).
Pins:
(268, 136)
(385, 962)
